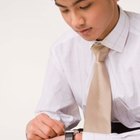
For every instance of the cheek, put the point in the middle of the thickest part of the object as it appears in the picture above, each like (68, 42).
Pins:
(95, 20)
(95, 15)
(102, 19)
(66, 19)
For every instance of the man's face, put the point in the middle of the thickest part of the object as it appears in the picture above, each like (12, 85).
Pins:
(91, 19)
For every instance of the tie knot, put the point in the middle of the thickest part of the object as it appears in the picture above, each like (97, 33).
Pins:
(100, 52)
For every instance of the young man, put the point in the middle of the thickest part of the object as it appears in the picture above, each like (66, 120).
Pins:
(70, 68)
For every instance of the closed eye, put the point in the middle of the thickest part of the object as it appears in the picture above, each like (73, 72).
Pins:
(85, 7)
(64, 11)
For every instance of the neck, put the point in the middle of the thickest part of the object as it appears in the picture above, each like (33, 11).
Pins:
(113, 23)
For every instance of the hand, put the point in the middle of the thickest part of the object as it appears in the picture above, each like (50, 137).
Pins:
(78, 136)
(57, 138)
(43, 127)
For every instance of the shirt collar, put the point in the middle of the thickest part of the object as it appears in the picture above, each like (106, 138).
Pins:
(116, 39)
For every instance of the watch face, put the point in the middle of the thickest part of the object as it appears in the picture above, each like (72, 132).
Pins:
(69, 135)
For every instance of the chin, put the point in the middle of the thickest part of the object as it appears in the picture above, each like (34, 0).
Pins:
(88, 38)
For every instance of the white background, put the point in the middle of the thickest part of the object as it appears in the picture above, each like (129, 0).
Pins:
(27, 29)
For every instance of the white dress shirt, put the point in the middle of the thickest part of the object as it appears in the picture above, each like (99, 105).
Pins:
(70, 69)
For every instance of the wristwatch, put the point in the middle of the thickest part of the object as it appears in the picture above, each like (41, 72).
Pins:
(69, 134)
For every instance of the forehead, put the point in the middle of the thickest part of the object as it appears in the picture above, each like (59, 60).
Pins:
(70, 2)
(73, 2)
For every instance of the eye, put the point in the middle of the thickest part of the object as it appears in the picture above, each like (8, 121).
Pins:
(85, 6)
(64, 10)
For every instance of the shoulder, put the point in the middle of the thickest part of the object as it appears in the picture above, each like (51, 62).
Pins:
(67, 42)
(134, 19)
(133, 15)
(67, 38)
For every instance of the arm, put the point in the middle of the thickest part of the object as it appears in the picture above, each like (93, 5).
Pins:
(133, 135)
(57, 100)
(57, 103)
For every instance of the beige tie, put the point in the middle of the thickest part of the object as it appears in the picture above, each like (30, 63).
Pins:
(98, 107)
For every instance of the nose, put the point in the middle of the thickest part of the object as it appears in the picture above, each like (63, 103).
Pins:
(77, 20)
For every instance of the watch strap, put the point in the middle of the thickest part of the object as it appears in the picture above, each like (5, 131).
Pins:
(69, 134)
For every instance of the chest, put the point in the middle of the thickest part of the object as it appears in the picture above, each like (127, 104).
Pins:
(124, 73)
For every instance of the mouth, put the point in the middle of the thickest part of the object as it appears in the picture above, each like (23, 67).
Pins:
(85, 31)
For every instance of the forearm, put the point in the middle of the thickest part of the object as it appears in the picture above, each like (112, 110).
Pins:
(133, 135)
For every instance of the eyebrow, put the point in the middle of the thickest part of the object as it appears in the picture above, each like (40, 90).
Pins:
(63, 6)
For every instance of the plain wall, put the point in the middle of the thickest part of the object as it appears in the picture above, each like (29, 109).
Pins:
(28, 28)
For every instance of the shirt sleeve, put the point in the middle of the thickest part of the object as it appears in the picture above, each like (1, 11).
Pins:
(57, 99)
(133, 135)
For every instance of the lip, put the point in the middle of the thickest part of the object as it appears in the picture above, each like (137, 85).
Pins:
(85, 31)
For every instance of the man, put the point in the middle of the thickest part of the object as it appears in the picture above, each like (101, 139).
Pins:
(70, 68)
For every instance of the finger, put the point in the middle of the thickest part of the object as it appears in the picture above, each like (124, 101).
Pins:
(57, 138)
(33, 137)
(61, 125)
(46, 130)
(34, 130)
(57, 126)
